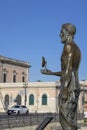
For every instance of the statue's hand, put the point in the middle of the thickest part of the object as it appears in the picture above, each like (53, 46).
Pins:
(47, 72)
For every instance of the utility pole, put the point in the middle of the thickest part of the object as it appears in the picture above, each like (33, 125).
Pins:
(25, 92)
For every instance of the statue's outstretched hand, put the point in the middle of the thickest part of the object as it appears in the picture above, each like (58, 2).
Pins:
(47, 72)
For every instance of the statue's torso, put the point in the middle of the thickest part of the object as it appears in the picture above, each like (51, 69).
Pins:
(74, 54)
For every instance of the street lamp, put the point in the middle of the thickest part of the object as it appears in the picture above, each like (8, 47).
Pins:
(25, 92)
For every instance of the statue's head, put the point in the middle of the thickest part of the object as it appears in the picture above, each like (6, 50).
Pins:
(70, 28)
(67, 32)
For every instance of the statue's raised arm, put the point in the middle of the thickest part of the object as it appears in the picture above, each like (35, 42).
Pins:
(47, 71)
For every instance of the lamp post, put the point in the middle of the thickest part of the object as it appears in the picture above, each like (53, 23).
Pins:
(25, 92)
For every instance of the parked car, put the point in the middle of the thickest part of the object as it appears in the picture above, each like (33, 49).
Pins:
(17, 110)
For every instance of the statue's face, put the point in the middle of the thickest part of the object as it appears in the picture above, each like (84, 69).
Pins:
(63, 34)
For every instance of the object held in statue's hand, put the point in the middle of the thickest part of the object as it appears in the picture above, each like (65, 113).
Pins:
(44, 63)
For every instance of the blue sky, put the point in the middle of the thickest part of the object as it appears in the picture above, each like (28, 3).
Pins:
(29, 29)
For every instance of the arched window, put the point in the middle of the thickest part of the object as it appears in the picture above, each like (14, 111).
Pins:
(18, 98)
(31, 99)
(44, 99)
(6, 100)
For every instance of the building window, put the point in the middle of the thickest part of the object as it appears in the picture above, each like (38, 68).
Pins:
(14, 75)
(44, 99)
(23, 76)
(4, 77)
(23, 79)
(31, 99)
(14, 78)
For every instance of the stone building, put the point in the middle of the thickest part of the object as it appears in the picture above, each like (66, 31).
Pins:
(12, 70)
(40, 97)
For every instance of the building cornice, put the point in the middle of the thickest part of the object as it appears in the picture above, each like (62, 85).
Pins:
(14, 62)
(37, 85)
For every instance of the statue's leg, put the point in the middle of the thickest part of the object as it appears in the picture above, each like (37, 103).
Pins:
(68, 113)
(65, 123)
(62, 121)
(72, 109)
(72, 105)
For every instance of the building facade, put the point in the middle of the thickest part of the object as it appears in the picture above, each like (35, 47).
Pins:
(12, 70)
(41, 97)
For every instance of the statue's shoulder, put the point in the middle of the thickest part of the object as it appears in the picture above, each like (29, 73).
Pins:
(68, 48)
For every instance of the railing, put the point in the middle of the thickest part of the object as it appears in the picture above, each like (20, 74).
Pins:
(27, 120)
(44, 123)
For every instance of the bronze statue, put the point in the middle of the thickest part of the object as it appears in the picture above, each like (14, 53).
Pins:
(70, 89)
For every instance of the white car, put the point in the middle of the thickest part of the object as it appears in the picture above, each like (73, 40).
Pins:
(17, 110)
(85, 116)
